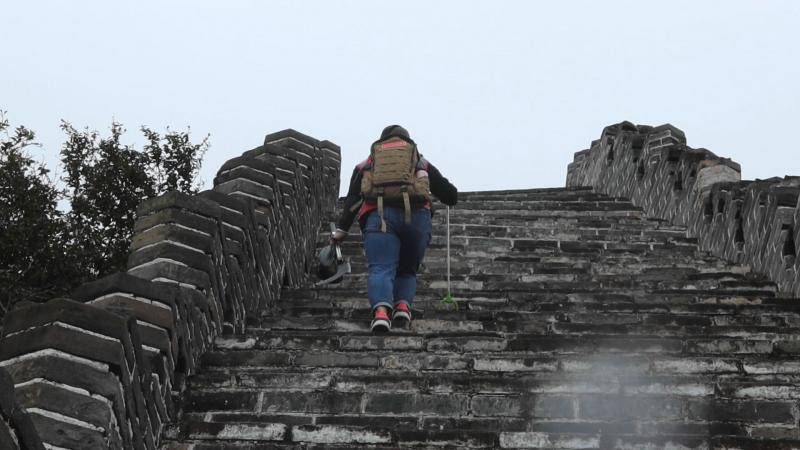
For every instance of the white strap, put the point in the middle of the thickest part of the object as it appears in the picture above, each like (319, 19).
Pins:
(448, 251)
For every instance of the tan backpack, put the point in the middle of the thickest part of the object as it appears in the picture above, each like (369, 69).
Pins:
(392, 174)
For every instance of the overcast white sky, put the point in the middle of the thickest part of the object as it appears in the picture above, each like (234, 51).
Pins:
(498, 94)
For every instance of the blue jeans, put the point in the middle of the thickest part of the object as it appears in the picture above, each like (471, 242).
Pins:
(394, 257)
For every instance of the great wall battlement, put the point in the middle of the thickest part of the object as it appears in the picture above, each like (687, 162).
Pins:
(748, 222)
(105, 367)
(589, 317)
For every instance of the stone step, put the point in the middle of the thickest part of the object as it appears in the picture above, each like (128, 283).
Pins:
(529, 353)
(523, 214)
(705, 314)
(462, 237)
(623, 407)
(687, 377)
(566, 337)
(739, 376)
(651, 279)
(718, 301)
(529, 262)
(577, 323)
(696, 438)
(720, 287)
(553, 313)
(571, 204)
(752, 382)
(626, 402)
(433, 269)
(633, 225)
(533, 251)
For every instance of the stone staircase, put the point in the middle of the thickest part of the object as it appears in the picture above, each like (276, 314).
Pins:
(579, 324)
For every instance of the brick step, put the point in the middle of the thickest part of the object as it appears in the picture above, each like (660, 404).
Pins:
(330, 433)
(545, 283)
(459, 244)
(529, 240)
(744, 376)
(636, 223)
(663, 278)
(545, 354)
(655, 268)
(750, 383)
(633, 223)
(555, 322)
(516, 270)
(503, 234)
(679, 311)
(555, 300)
(572, 229)
(565, 314)
(521, 214)
(534, 252)
(571, 283)
(478, 411)
(611, 225)
(523, 262)
(532, 204)
(625, 301)
(632, 408)
(343, 437)
(552, 195)
(552, 313)
(528, 192)
(642, 400)
(556, 337)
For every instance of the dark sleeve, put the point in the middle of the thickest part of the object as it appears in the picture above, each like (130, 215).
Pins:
(351, 203)
(441, 188)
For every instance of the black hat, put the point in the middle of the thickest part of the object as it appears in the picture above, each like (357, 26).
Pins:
(395, 131)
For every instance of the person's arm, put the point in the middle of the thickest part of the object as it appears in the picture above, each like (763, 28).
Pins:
(351, 206)
(441, 187)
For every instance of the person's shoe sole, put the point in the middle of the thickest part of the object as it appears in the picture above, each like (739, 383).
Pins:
(380, 326)
(401, 319)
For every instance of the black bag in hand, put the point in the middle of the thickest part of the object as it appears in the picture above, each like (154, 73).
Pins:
(329, 259)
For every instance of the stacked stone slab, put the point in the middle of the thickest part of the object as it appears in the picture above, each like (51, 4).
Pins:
(581, 324)
(104, 368)
(748, 222)
(16, 428)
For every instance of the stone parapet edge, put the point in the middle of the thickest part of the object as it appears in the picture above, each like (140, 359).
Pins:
(106, 367)
(755, 223)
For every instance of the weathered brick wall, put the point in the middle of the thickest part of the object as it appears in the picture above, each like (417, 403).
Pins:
(16, 428)
(104, 368)
(749, 222)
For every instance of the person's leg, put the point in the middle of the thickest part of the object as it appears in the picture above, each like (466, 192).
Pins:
(382, 250)
(414, 240)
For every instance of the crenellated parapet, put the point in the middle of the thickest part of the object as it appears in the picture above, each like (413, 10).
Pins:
(749, 222)
(105, 367)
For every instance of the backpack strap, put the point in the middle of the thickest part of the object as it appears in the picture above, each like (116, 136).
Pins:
(407, 206)
(356, 205)
(422, 163)
(360, 167)
(380, 210)
(365, 164)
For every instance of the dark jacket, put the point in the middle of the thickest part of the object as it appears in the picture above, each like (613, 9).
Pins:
(441, 188)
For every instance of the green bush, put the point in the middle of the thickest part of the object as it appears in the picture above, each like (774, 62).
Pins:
(45, 252)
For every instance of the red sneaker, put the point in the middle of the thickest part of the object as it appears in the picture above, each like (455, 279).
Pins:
(380, 322)
(402, 315)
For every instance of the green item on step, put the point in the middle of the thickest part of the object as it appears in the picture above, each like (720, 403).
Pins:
(449, 300)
